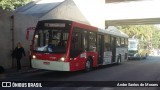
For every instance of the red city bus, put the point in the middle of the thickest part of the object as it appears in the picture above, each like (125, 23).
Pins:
(65, 45)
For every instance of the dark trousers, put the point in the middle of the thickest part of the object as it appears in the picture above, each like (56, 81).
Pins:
(18, 64)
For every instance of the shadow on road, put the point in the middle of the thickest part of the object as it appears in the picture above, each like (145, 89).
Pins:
(59, 75)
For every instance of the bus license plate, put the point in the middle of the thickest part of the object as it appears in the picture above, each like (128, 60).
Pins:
(46, 63)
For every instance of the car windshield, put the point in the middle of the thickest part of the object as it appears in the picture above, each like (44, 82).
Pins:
(133, 46)
(51, 41)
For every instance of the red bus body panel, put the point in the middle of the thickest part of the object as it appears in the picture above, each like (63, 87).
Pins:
(50, 57)
(77, 63)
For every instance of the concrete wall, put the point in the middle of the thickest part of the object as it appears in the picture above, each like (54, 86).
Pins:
(66, 10)
(85, 11)
(21, 23)
(93, 10)
(5, 39)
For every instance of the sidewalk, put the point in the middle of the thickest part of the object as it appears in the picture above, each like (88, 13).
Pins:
(14, 71)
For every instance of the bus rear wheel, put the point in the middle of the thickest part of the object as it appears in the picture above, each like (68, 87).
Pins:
(88, 65)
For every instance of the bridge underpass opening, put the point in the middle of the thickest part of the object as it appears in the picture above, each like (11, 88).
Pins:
(135, 17)
(146, 21)
(132, 12)
(148, 37)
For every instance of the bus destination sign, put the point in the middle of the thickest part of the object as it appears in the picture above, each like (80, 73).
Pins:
(54, 24)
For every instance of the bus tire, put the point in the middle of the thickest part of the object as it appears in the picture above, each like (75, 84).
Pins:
(119, 59)
(88, 65)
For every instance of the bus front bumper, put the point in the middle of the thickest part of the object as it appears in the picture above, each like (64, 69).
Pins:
(50, 65)
(134, 57)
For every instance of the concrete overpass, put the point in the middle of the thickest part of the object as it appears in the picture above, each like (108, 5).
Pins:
(99, 13)
(125, 12)
(132, 12)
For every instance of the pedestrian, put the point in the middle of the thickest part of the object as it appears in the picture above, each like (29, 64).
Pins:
(18, 53)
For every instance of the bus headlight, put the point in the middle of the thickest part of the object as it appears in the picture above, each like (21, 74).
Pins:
(62, 58)
(33, 56)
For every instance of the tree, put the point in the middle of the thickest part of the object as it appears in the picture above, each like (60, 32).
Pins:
(10, 5)
(146, 33)
(156, 39)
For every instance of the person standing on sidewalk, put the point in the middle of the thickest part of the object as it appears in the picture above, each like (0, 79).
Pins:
(18, 53)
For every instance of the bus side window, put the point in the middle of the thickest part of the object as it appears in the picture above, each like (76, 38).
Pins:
(92, 41)
(74, 39)
(123, 42)
(85, 40)
(76, 46)
(107, 47)
(118, 42)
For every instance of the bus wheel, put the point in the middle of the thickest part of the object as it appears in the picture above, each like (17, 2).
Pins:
(88, 65)
(119, 59)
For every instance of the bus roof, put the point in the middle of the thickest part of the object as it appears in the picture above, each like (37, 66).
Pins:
(113, 31)
(54, 20)
(133, 40)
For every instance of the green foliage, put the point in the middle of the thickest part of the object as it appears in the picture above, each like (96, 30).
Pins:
(12, 4)
(156, 39)
(146, 33)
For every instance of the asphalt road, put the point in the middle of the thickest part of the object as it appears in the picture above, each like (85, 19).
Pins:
(132, 70)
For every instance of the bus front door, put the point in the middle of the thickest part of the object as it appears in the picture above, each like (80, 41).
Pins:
(113, 47)
(100, 48)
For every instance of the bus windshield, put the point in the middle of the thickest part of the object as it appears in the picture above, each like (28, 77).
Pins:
(51, 41)
(133, 45)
